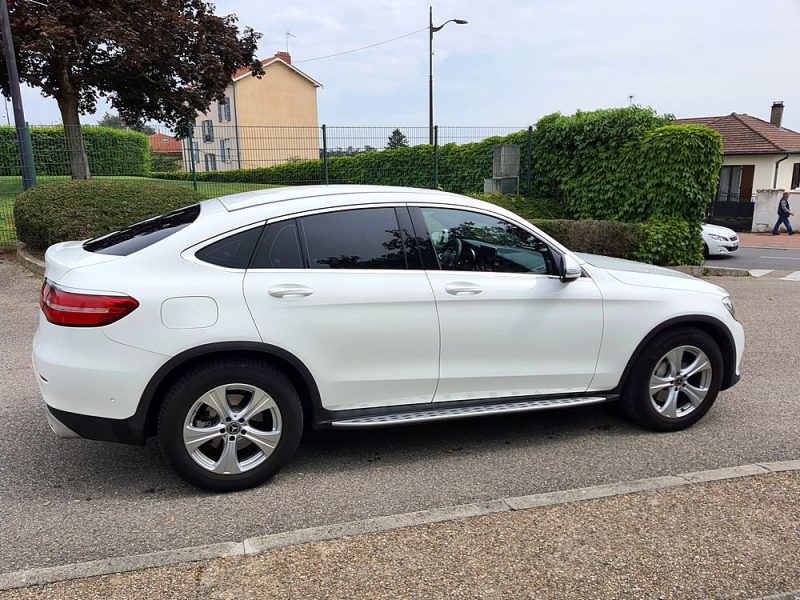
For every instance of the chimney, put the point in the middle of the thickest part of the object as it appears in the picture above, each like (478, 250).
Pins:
(287, 58)
(776, 116)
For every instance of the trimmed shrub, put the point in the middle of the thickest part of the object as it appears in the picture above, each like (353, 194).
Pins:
(110, 151)
(671, 242)
(77, 210)
(609, 238)
(527, 208)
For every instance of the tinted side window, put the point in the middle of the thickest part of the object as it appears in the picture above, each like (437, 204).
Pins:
(468, 241)
(141, 235)
(233, 251)
(279, 248)
(367, 238)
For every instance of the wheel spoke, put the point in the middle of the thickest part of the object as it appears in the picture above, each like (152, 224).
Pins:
(228, 462)
(265, 440)
(670, 407)
(658, 383)
(258, 404)
(194, 437)
(696, 395)
(218, 400)
(675, 358)
(698, 364)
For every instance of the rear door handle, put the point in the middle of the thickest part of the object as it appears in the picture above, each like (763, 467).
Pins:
(290, 290)
(460, 288)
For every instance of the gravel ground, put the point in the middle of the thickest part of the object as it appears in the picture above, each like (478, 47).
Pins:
(65, 501)
(732, 539)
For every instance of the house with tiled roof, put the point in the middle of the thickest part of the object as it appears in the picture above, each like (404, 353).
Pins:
(261, 122)
(757, 154)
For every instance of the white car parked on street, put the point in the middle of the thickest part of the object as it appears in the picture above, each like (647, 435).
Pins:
(224, 327)
(719, 241)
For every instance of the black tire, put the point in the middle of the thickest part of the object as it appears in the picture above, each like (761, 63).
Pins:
(636, 400)
(196, 382)
(706, 252)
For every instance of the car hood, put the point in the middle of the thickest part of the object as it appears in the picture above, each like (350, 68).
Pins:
(641, 274)
(717, 230)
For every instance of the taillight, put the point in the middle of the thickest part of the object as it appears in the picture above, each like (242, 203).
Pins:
(83, 310)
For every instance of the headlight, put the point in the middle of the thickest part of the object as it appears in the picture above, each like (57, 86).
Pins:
(728, 303)
(719, 238)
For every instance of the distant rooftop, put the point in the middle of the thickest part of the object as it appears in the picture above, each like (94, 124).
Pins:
(743, 134)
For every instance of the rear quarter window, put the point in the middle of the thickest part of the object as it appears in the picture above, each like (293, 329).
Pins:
(143, 234)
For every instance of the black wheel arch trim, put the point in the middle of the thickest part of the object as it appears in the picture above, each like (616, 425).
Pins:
(711, 325)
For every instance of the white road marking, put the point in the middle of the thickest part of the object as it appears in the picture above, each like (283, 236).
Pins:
(792, 276)
(782, 257)
(759, 272)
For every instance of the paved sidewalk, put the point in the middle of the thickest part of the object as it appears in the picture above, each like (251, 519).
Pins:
(767, 240)
(736, 538)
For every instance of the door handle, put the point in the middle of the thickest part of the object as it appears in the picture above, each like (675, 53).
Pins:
(290, 290)
(462, 289)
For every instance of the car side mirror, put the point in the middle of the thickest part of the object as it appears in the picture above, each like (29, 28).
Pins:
(569, 268)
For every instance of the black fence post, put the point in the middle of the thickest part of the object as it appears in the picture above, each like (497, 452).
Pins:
(528, 161)
(325, 151)
(435, 157)
(191, 157)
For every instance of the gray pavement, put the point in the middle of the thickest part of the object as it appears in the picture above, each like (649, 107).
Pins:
(759, 258)
(727, 539)
(76, 500)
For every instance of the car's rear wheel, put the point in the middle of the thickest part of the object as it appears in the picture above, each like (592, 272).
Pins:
(674, 381)
(230, 424)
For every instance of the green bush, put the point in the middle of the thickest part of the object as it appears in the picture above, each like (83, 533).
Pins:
(671, 242)
(527, 208)
(109, 151)
(76, 210)
(609, 238)
(166, 163)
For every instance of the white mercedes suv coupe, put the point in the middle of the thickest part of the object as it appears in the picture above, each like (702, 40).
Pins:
(225, 327)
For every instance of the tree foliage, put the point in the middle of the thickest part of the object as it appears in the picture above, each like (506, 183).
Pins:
(397, 140)
(115, 122)
(164, 60)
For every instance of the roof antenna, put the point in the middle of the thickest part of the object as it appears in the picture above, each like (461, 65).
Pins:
(288, 35)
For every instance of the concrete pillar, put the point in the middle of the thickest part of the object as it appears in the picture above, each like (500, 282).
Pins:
(765, 211)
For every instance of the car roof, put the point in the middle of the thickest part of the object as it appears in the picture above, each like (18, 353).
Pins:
(285, 194)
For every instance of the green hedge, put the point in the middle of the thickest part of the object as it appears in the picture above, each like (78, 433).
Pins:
(110, 151)
(76, 210)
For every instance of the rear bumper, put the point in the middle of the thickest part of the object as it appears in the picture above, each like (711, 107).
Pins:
(72, 425)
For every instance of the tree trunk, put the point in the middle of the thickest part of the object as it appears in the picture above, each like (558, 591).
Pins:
(78, 161)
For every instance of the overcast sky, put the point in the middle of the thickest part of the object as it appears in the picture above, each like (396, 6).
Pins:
(518, 60)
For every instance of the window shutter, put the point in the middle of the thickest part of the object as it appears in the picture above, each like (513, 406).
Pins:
(746, 185)
(219, 111)
(227, 108)
(796, 176)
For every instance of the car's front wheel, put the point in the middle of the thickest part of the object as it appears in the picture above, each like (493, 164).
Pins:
(230, 424)
(674, 381)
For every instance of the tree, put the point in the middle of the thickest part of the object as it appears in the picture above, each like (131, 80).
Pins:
(116, 122)
(397, 140)
(164, 60)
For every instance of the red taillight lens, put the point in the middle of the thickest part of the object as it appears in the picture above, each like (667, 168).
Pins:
(83, 310)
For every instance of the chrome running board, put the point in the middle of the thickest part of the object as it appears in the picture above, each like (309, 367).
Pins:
(459, 412)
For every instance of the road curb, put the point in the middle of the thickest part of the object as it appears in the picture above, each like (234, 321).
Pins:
(710, 271)
(29, 261)
(261, 544)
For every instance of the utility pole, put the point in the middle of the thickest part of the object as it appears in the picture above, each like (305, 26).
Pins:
(23, 138)
(431, 31)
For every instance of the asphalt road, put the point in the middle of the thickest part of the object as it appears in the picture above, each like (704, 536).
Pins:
(63, 501)
(759, 258)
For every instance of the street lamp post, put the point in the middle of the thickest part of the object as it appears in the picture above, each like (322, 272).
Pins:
(431, 31)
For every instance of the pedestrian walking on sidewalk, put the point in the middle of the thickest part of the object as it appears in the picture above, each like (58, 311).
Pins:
(783, 215)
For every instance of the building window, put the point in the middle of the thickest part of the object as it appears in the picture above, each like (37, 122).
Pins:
(736, 183)
(208, 131)
(223, 147)
(211, 162)
(224, 110)
(796, 176)
(196, 152)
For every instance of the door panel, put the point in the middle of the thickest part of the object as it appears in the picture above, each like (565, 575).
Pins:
(521, 335)
(362, 319)
(509, 326)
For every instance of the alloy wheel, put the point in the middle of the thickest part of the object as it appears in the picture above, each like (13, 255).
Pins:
(680, 382)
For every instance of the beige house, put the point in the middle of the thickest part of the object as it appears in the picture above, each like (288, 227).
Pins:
(757, 154)
(262, 122)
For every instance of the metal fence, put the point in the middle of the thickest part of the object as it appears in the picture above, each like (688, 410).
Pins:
(221, 159)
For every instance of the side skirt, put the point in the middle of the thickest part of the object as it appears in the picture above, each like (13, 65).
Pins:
(444, 411)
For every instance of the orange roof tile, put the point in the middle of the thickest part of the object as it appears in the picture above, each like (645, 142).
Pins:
(743, 134)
